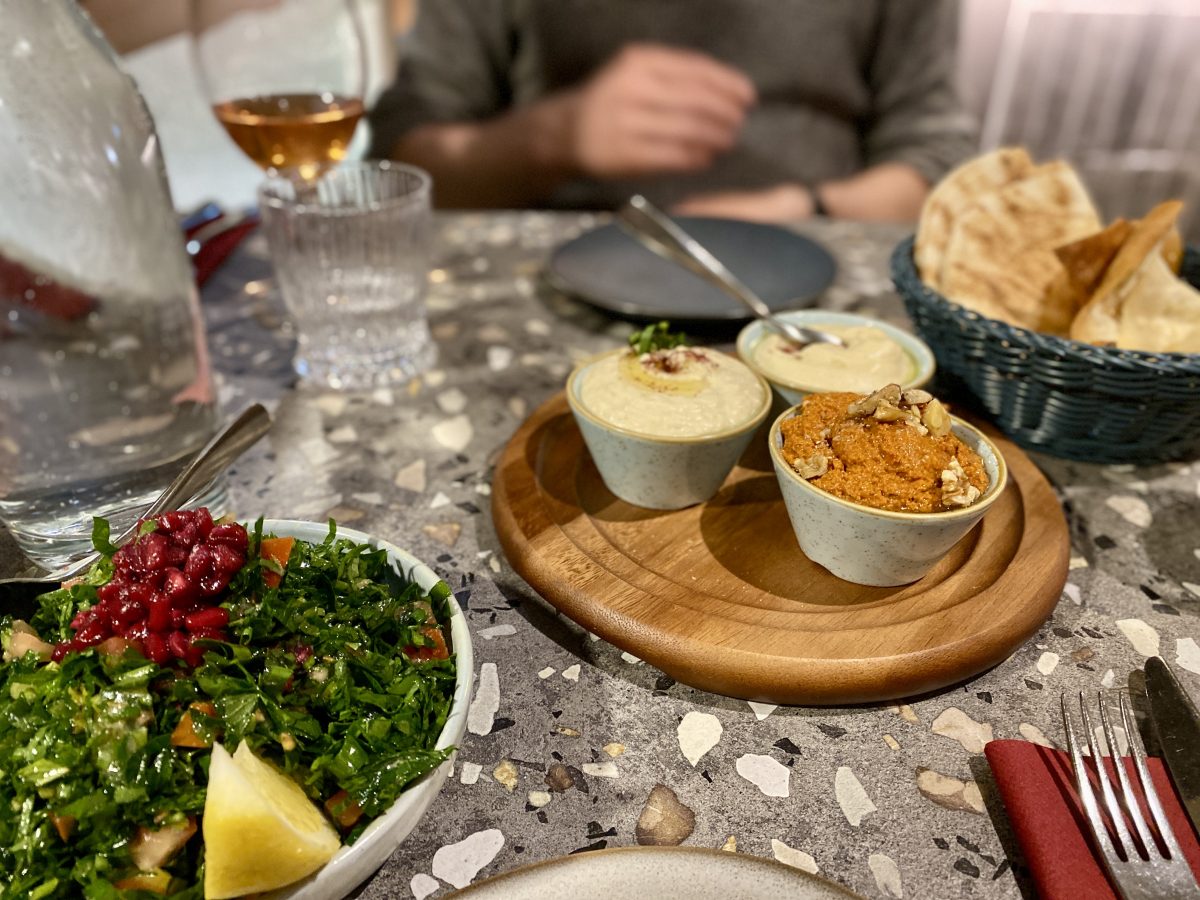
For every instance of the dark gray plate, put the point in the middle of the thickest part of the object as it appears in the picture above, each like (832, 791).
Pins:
(611, 270)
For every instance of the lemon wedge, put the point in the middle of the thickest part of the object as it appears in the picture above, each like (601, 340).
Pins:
(260, 829)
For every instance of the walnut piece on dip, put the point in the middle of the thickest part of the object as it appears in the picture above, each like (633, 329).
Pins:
(891, 449)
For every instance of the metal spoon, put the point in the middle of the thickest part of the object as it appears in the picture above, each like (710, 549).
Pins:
(656, 231)
(232, 442)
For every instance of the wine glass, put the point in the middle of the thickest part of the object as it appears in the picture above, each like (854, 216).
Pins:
(285, 77)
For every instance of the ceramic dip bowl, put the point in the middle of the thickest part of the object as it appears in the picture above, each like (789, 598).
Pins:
(879, 547)
(793, 390)
(664, 472)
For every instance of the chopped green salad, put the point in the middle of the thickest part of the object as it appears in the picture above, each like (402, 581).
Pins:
(331, 666)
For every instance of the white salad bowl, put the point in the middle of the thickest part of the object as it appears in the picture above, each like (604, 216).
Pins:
(879, 547)
(793, 392)
(657, 472)
(353, 864)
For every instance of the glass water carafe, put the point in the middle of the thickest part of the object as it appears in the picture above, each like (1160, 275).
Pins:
(105, 389)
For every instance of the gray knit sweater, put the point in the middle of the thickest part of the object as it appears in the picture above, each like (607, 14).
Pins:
(842, 84)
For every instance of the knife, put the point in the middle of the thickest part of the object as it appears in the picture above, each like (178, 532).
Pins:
(1177, 722)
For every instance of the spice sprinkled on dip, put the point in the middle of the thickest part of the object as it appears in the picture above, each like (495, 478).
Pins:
(869, 358)
(890, 450)
(679, 391)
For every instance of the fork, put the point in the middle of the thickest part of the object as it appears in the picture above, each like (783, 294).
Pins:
(1139, 870)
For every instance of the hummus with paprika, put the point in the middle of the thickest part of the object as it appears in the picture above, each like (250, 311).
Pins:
(682, 392)
(890, 450)
(869, 358)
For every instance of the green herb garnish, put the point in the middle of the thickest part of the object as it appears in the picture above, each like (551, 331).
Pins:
(313, 678)
(656, 337)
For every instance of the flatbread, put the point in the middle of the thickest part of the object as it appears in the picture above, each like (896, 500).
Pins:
(1141, 304)
(1000, 259)
(956, 193)
(1085, 261)
(1083, 264)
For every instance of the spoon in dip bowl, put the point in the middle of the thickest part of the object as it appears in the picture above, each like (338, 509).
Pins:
(656, 231)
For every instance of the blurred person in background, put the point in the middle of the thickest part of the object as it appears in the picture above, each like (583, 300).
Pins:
(773, 110)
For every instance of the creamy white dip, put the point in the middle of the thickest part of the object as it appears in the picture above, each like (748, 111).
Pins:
(869, 359)
(692, 393)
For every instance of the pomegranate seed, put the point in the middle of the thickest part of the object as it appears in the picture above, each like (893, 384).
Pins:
(173, 521)
(230, 534)
(138, 631)
(204, 521)
(60, 650)
(227, 559)
(178, 587)
(156, 648)
(110, 592)
(199, 563)
(152, 551)
(123, 560)
(92, 634)
(302, 653)
(86, 617)
(213, 583)
(159, 613)
(177, 643)
(207, 634)
(189, 535)
(124, 613)
(177, 555)
(138, 592)
(212, 617)
(193, 656)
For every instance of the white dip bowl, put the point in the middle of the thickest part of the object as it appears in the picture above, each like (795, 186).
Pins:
(793, 392)
(876, 546)
(659, 472)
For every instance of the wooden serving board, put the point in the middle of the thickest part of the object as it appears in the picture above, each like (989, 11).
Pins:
(720, 597)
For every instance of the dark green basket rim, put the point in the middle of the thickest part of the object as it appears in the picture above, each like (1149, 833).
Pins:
(909, 284)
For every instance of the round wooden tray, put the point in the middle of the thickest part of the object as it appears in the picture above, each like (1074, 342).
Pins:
(719, 596)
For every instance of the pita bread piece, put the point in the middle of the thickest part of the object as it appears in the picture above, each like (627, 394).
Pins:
(1001, 252)
(956, 193)
(1083, 264)
(1141, 304)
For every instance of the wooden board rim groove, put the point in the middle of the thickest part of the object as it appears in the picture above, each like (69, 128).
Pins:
(566, 575)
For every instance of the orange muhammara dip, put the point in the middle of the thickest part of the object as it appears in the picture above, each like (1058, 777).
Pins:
(890, 450)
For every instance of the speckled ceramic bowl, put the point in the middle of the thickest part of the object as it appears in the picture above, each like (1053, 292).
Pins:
(793, 392)
(876, 546)
(660, 472)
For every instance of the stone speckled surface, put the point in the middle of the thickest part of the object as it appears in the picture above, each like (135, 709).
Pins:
(570, 737)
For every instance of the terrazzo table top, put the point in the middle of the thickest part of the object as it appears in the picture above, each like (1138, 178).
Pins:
(574, 745)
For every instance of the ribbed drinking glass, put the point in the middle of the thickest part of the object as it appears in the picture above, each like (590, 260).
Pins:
(351, 255)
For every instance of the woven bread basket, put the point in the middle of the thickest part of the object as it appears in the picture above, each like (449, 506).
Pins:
(1059, 396)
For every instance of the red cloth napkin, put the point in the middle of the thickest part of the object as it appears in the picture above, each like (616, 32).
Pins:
(1038, 790)
(214, 251)
(24, 287)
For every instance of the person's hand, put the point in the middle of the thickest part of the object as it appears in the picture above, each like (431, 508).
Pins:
(781, 203)
(654, 110)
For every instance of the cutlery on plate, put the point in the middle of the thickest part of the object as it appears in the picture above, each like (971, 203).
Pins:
(1137, 865)
(1177, 722)
(658, 232)
(17, 594)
